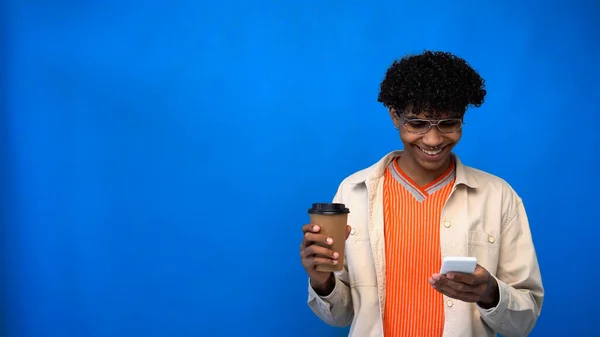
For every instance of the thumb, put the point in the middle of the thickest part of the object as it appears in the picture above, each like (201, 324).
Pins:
(348, 229)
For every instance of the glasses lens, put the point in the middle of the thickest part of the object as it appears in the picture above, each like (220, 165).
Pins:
(449, 125)
(417, 125)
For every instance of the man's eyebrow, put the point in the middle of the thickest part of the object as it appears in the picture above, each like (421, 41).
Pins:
(417, 118)
(413, 117)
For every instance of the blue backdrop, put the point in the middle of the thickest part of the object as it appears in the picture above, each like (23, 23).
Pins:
(158, 159)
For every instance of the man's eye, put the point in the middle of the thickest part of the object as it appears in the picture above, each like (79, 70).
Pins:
(418, 124)
(449, 123)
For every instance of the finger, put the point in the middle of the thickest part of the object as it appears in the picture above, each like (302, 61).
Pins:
(311, 228)
(453, 293)
(313, 250)
(456, 290)
(482, 273)
(470, 279)
(312, 262)
(348, 230)
(457, 287)
(318, 238)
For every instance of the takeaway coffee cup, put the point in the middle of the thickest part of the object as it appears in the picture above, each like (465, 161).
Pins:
(333, 219)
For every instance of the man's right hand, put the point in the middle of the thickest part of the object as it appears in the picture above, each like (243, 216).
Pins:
(314, 253)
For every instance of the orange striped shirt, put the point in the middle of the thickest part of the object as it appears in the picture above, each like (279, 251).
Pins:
(412, 251)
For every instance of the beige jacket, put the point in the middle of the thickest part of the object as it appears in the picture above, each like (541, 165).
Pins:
(483, 217)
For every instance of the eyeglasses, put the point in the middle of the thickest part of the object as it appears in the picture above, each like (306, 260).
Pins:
(422, 126)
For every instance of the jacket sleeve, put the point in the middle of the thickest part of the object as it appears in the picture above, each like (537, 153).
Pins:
(336, 308)
(519, 279)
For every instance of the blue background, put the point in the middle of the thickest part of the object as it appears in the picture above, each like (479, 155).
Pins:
(158, 159)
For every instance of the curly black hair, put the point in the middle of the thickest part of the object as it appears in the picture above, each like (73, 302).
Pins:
(432, 83)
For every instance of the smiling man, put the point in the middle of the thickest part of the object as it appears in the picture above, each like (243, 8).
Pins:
(418, 205)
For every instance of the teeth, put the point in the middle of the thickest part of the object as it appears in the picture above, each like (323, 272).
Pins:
(431, 153)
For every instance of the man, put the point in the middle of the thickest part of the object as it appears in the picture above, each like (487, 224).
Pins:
(416, 206)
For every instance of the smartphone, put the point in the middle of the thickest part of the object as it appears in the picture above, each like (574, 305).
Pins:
(458, 264)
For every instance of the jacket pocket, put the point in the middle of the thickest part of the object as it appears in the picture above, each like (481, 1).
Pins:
(479, 238)
(485, 247)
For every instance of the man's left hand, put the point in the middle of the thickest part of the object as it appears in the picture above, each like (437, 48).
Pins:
(480, 287)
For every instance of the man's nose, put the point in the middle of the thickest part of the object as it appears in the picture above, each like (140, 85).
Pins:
(433, 137)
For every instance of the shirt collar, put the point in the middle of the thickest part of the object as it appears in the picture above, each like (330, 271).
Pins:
(377, 170)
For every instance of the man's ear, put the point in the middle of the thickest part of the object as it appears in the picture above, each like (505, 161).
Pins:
(395, 117)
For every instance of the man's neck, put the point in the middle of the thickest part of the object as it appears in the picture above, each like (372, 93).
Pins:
(417, 173)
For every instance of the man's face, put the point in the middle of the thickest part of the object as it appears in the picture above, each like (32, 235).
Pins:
(428, 147)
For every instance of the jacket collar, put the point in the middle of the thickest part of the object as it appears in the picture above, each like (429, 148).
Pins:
(377, 170)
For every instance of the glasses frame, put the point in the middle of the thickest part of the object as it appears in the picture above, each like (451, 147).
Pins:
(405, 121)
